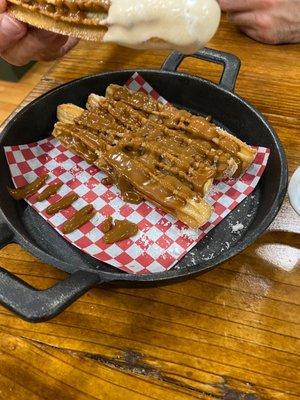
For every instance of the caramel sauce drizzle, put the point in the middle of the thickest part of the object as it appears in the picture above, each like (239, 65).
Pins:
(151, 150)
(29, 189)
(143, 155)
(49, 191)
(62, 204)
(120, 230)
(107, 225)
(128, 193)
(80, 218)
(173, 118)
(157, 186)
(107, 181)
(216, 153)
(77, 145)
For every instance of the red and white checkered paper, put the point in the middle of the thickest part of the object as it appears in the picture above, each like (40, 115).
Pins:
(162, 240)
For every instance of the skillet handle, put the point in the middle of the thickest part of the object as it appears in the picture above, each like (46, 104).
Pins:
(35, 305)
(230, 62)
(40, 305)
(6, 236)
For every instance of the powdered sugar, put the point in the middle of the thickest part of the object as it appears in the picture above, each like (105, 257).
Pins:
(237, 227)
(187, 233)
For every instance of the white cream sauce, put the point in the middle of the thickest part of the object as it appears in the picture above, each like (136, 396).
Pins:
(186, 25)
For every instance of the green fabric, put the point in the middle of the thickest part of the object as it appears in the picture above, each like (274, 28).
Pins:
(11, 73)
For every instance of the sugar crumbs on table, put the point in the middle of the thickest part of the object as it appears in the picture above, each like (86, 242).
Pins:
(187, 233)
(75, 170)
(193, 259)
(146, 242)
(213, 191)
(190, 234)
(209, 257)
(237, 227)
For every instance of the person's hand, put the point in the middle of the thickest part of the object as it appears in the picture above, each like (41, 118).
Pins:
(20, 44)
(268, 21)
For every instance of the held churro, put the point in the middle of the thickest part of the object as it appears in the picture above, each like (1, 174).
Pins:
(184, 25)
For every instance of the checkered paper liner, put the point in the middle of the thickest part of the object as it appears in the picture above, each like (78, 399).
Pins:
(162, 240)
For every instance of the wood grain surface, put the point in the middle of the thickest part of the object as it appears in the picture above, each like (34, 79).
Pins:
(13, 93)
(232, 333)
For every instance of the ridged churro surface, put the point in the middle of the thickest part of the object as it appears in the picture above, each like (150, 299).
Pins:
(162, 154)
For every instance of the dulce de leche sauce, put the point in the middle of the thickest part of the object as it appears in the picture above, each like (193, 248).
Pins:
(49, 191)
(29, 189)
(80, 218)
(61, 204)
(186, 25)
(118, 230)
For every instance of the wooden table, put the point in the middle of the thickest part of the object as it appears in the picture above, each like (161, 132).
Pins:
(228, 334)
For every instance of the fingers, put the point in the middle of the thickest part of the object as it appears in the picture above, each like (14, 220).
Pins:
(11, 31)
(259, 36)
(2, 6)
(62, 44)
(257, 25)
(19, 44)
(249, 19)
(71, 42)
(36, 45)
(232, 6)
(268, 21)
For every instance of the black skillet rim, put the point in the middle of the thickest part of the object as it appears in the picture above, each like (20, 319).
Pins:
(172, 274)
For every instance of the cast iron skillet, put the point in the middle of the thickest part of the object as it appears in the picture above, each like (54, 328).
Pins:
(21, 224)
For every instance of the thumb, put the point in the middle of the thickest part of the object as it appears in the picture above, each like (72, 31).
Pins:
(3, 6)
(11, 31)
(70, 43)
